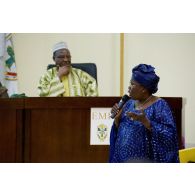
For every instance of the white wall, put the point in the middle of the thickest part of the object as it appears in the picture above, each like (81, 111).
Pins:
(173, 55)
(34, 52)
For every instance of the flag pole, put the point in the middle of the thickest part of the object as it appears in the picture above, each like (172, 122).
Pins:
(121, 64)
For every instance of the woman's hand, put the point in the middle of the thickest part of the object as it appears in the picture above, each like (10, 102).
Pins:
(140, 117)
(115, 110)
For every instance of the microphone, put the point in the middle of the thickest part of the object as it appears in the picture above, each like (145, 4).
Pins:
(123, 100)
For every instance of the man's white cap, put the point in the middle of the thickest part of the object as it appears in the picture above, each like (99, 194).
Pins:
(60, 45)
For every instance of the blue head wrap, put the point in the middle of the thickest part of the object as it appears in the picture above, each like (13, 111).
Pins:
(145, 75)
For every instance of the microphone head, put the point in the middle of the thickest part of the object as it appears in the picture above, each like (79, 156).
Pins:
(125, 98)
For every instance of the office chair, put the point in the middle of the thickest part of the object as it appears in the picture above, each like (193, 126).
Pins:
(90, 68)
(187, 155)
(3, 91)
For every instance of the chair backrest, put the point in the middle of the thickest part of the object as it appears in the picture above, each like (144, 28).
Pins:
(187, 155)
(3, 92)
(90, 68)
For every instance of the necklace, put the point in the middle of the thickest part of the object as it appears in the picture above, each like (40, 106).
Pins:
(141, 105)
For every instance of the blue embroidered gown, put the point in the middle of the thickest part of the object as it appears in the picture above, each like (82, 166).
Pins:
(132, 142)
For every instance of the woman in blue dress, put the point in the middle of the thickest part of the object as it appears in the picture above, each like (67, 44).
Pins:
(144, 130)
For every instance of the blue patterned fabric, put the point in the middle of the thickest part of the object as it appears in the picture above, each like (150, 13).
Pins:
(132, 142)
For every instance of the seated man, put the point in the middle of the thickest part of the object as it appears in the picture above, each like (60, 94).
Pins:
(64, 80)
(3, 92)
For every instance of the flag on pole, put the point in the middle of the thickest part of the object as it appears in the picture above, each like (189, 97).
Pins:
(8, 73)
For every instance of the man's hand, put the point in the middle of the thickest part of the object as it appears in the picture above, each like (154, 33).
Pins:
(63, 71)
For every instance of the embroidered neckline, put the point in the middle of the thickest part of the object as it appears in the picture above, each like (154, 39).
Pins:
(146, 101)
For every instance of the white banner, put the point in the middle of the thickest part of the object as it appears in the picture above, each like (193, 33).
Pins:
(8, 73)
(101, 124)
(2, 62)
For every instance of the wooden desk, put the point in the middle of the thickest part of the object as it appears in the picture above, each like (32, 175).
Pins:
(55, 129)
(58, 129)
(11, 130)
